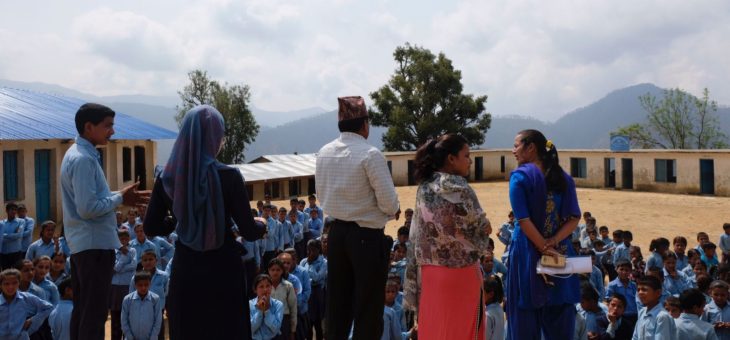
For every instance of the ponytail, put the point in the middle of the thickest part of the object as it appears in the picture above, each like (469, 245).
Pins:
(432, 155)
(548, 155)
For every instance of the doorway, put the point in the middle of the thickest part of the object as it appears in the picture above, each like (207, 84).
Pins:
(609, 169)
(707, 176)
(627, 173)
(43, 185)
(140, 167)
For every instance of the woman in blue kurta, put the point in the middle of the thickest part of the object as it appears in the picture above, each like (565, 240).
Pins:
(546, 208)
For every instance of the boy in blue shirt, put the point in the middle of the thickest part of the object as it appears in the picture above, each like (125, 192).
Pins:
(28, 229)
(621, 252)
(315, 223)
(725, 242)
(272, 238)
(689, 325)
(313, 206)
(142, 244)
(316, 266)
(21, 313)
(590, 309)
(142, 310)
(623, 286)
(12, 240)
(709, 257)
(166, 250)
(60, 318)
(158, 285)
(653, 321)
(125, 263)
(45, 245)
(287, 230)
(717, 312)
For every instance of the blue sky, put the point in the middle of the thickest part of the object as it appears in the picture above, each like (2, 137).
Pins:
(534, 58)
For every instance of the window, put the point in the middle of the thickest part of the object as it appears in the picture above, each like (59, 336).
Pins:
(294, 187)
(502, 165)
(578, 167)
(126, 164)
(665, 170)
(312, 186)
(275, 191)
(10, 175)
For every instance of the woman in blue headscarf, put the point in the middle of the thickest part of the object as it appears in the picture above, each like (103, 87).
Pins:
(546, 208)
(207, 297)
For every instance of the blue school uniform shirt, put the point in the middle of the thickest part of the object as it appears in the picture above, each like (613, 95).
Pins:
(655, 324)
(689, 326)
(13, 235)
(592, 318)
(682, 261)
(266, 325)
(272, 242)
(596, 280)
(317, 270)
(675, 286)
(303, 298)
(298, 229)
(166, 250)
(141, 247)
(315, 227)
(628, 291)
(66, 249)
(620, 252)
(14, 313)
(142, 317)
(391, 325)
(655, 260)
(124, 266)
(60, 320)
(399, 268)
(89, 207)
(50, 290)
(302, 217)
(494, 322)
(27, 232)
(159, 285)
(714, 313)
(252, 251)
(724, 243)
(287, 234)
(320, 213)
(37, 291)
(40, 248)
(505, 233)
(709, 262)
(499, 267)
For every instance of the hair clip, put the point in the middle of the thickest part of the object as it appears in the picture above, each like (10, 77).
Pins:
(549, 145)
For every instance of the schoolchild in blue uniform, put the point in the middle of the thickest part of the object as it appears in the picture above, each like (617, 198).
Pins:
(315, 223)
(12, 240)
(653, 321)
(287, 230)
(675, 282)
(680, 246)
(266, 312)
(60, 318)
(493, 297)
(316, 266)
(689, 325)
(623, 286)
(21, 313)
(125, 264)
(621, 252)
(313, 206)
(399, 262)
(717, 312)
(142, 244)
(45, 245)
(27, 274)
(142, 310)
(272, 240)
(158, 285)
(657, 247)
(41, 267)
(166, 250)
(27, 229)
(590, 308)
(288, 257)
(58, 268)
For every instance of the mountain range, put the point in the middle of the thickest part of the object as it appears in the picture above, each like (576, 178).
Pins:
(306, 130)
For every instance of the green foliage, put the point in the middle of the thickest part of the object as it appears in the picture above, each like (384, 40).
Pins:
(677, 121)
(424, 99)
(232, 101)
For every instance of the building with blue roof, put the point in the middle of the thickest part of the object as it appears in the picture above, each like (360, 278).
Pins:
(36, 129)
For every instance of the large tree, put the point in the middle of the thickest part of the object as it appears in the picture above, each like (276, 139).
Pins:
(232, 101)
(678, 120)
(424, 99)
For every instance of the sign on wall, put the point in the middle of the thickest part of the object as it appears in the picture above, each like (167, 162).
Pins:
(620, 143)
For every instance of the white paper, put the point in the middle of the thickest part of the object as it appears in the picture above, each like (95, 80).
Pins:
(573, 265)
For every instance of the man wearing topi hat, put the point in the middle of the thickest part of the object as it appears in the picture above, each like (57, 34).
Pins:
(355, 187)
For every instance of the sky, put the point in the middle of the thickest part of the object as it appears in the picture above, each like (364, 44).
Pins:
(531, 58)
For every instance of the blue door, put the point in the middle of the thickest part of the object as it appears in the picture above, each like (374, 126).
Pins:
(707, 176)
(43, 185)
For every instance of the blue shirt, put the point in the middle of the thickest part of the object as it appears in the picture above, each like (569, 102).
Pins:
(89, 208)
(675, 286)
(689, 326)
(655, 324)
(399, 268)
(713, 314)
(596, 280)
(655, 260)
(505, 233)
(315, 226)
(50, 290)
(166, 250)
(141, 317)
(141, 247)
(494, 325)
(592, 317)
(272, 242)
(287, 233)
(391, 325)
(298, 229)
(621, 252)
(628, 291)
(39, 248)
(320, 213)
(252, 251)
(682, 261)
(317, 270)
(12, 235)
(124, 266)
(724, 243)
(159, 285)
(14, 313)
(266, 325)
(60, 320)
(303, 298)
(27, 232)
(37, 291)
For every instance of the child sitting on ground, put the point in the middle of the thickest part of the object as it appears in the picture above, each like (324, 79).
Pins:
(689, 325)
(42, 266)
(614, 325)
(391, 294)
(58, 268)
(590, 309)
(680, 245)
(60, 318)
(623, 286)
(654, 322)
(22, 313)
(657, 248)
(142, 310)
(266, 312)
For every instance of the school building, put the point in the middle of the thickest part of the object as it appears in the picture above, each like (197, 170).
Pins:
(36, 129)
(672, 171)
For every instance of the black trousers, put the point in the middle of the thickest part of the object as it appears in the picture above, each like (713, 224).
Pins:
(7, 261)
(251, 268)
(91, 279)
(357, 270)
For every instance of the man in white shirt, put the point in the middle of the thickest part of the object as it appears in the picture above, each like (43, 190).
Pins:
(355, 187)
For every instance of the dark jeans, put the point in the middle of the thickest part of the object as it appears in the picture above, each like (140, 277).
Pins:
(357, 270)
(91, 279)
(7, 261)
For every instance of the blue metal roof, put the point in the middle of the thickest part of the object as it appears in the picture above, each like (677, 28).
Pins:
(32, 115)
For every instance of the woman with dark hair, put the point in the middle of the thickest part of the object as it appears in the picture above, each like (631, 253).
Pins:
(205, 198)
(546, 208)
(449, 233)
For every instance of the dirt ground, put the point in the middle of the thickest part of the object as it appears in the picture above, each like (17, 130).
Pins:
(647, 215)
